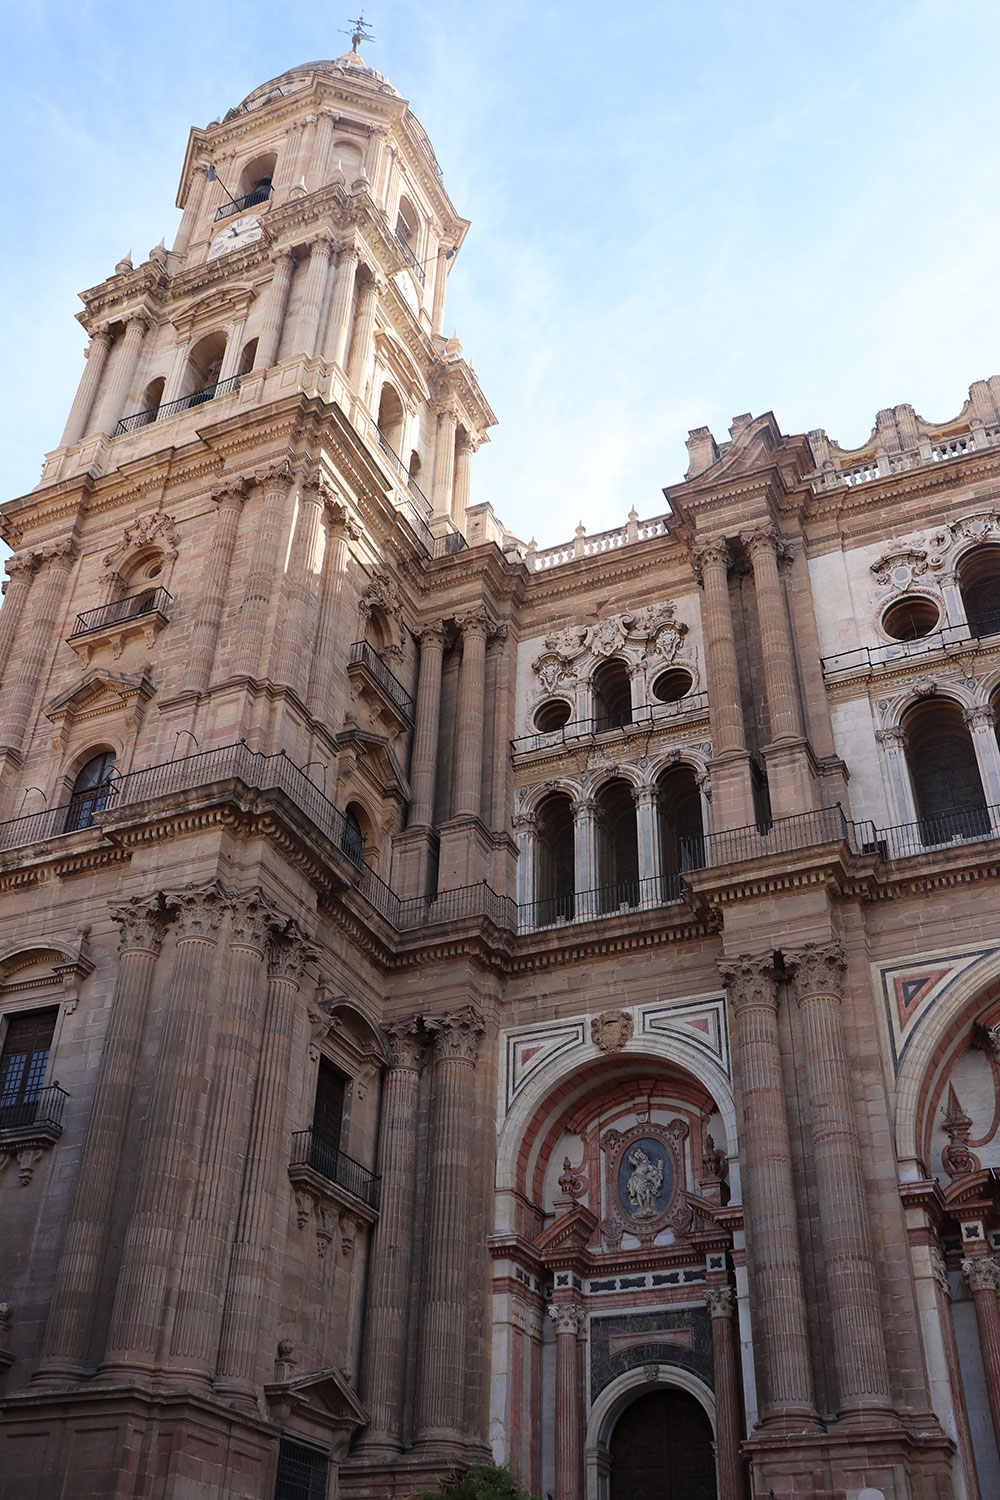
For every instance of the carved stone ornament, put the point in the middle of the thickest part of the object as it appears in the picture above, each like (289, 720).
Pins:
(568, 1318)
(750, 981)
(817, 971)
(142, 924)
(644, 1171)
(456, 1034)
(288, 954)
(612, 1030)
(383, 595)
(405, 1041)
(714, 1162)
(157, 529)
(982, 1273)
(957, 1158)
(609, 636)
(897, 570)
(571, 1184)
(253, 919)
(199, 911)
(721, 1301)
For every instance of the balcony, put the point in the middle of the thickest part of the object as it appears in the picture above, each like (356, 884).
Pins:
(238, 205)
(313, 1158)
(369, 672)
(183, 403)
(641, 720)
(30, 1127)
(147, 601)
(890, 653)
(604, 901)
(411, 259)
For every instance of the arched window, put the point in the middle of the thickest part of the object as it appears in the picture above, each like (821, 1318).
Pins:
(407, 223)
(617, 846)
(979, 582)
(90, 791)
(247, 356)
(356, 840)
(390, 418)
(555, 867)
(947, 787)
(203, 366)
(612, 695)
(256, 179)
(150, 404)
(682, 833)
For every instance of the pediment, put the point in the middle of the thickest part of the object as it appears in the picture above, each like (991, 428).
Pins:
(324, 1394)
(569, 1233)
(99, 693)
(376, 760)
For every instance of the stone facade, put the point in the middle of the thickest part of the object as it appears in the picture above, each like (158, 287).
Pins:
(451, 992)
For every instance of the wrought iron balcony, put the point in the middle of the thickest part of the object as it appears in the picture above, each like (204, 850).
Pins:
(183, 403)
(145, 602)
(864, 658)
(364, 655)
(309, 1149)
(402, 471)
(248, 200)
(43, 1113)
(603, 901)
(649, 716)
(411, 259)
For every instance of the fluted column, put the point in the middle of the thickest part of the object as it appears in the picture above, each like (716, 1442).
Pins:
(192, 208)
(647, 828)
(324, 141)
(721, 1302)
(386, 1335)
(123, 372)
(441, 266)
(569, 1322)
(781, 683)
(444, 462)
(427, 728)
(311, 303)
(525, 826)
(173, 1132)
(462, 485)
(304, 153)
(228, 499)
(83, 403)
(83, 1264)
(339, 325)
(983, 1276)
(266, 1160)
(21, 568)
(960, 1410)
(211, 1220)
(325, 655)
(39, 629)
(269, 338)
(298, 616)
(441, 1376)
(364, 332)
(851, 1280)
(470, 714)
(265, 563)
(980, 721)
(781, 1340)
(584, 849)
(712, 563)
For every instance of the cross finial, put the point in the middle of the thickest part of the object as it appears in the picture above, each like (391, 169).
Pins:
(359, 32)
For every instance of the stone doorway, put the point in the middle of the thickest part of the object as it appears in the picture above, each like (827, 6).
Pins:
(661, 1449)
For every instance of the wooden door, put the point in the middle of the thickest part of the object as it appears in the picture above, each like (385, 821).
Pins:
(661, 1449)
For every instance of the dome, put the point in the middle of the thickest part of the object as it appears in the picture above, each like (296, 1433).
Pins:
(351, 63)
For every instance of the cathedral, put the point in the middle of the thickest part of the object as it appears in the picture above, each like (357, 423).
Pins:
(462, 1001)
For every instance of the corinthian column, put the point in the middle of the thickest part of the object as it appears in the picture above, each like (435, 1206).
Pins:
(721, 1302)
(40, 629)
(569, 1320)
(781, 1340)
(325, 663)
(269, 338)
(265, 563)
(780, 677)
(386, 1336)
(724, 700)
(228, 500)
(123, 372)
(21, 568)
(364, 332)
(983, 1276)
(173, 1133)
(851, 1280)
(266, 1159)
(470, 714)
(441, 1376)
(311, 303)
(211, 1219)
(83, 403)
(339, 324)
(83, 1264)
(427, 728)
(462, 488)
(444, 462)
(297, 616)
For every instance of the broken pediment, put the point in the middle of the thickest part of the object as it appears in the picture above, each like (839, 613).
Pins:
(371, 759)
(98, 695)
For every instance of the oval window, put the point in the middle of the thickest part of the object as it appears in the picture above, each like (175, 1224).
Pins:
(909, 619)
(552, 716)
(671, 686)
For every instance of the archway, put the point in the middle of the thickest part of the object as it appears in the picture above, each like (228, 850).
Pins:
(947, 786)
(661, 1449)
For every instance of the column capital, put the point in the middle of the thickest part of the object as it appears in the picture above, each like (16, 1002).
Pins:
(316, 483)
(708, 554)
(474, 622)
(100, 337)
(139, 318)
(750, 982)
(64, 552)
(432, 635)
(583, 807)
(568, 1317)
(644, 796)
(288, 953)
(348, 254)
(230, 493)
(22, 562)
(276, 476)
(405, 1042)
(198, 912)
(760, 538)
(893, 738)
(456, 1034)
(284, 256)
(980, 716)
(720, 1301)
(142, 923)
(321, 244)
(253, 919)
(817, 970)
(524, 822)
(982, 1273)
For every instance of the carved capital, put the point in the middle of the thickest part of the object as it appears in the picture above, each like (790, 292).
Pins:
(285, 256)
(892, 739)
(456, 1034)
(817, 971)
(432, 636)
(708, 555)
(750, 982)
(474, 622)
(142, 923)
(982, 1273)
(980, 716)
(288, 954)
(199, 912)
(646, 796)
(139, 319)
(322, 245)
(761, 538)
(568, 1318)
(276, 476)
(720, 1301)
(100, 338)
(64, 553)
(24, 563)
(253, 918)
(406, 1045)
(524, 822)
(584, 808)
(230, 493)
(939, 1269)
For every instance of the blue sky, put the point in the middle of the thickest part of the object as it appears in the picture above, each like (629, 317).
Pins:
(680, 212)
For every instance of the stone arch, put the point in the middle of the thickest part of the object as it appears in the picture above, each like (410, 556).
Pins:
(612, 1403)
(537, 795)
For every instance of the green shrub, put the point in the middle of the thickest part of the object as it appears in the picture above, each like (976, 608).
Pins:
(485, 1482)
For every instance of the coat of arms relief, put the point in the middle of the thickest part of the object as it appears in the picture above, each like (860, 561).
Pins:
(648, 639)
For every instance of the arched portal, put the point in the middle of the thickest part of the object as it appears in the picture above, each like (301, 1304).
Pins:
(661, 1449)
(947, 787)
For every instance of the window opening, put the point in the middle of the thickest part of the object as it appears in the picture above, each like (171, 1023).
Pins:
(23, 1061)
(327, 1120)
(944, 772)
(91, 789)
(682, 834)
(617, 846)
(910, 619)
(555, 866)
(612, 695)
(979, 583)
(302, 1471)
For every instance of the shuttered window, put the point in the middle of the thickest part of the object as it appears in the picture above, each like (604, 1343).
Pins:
(23, 1060)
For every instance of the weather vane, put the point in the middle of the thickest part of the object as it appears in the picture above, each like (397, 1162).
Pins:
(359, 32)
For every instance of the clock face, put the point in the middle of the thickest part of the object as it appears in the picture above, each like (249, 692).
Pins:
(240, 232)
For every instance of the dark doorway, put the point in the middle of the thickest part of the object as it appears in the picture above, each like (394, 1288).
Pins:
(661, 1449)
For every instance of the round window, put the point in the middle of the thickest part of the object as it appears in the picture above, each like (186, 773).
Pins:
(552, 715)
(671, 686)
(909, 619)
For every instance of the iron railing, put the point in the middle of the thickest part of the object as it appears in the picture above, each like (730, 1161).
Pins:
(146, 602)
(602, 901)
(45, 1109)
(411, 259)
(248, 200)
(309, 1149)
(863, 658)
(778, 836)
(964, 825)
(649, 716)
(32, 828)
(183, 403)
(402, 471)
(451, 906)
(364, 655)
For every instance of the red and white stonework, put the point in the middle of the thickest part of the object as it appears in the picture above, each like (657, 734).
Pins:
(460, 999)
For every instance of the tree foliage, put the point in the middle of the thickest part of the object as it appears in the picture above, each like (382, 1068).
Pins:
(484, 1482)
